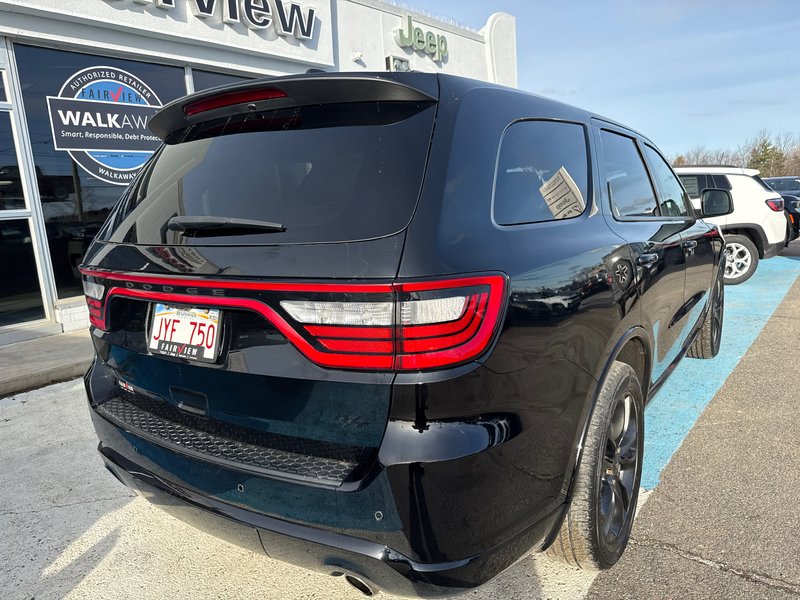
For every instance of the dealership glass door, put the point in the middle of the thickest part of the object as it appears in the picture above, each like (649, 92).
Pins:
(21, 298)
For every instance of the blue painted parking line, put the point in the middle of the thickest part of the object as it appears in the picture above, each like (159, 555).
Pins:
(673, 411)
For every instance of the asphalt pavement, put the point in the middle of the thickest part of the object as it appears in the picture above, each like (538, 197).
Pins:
(718, 516)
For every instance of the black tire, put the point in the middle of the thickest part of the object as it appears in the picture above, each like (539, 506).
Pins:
(708, 340)
(590, 537)
(741, 259)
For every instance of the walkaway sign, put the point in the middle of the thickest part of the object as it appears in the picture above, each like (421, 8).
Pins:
(100, 118)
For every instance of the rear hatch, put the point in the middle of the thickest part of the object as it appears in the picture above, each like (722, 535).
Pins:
(222, 285)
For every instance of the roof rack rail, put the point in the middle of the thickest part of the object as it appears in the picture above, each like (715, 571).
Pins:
(713, 165)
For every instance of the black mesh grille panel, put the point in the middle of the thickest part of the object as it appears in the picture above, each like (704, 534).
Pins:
(295, 458)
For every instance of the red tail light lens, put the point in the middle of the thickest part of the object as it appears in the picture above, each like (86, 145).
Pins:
(776, 205)
(429, 343)
(421, 325)
(230, 99)
(95, 292)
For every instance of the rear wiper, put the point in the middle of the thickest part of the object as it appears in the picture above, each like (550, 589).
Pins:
(199, 226)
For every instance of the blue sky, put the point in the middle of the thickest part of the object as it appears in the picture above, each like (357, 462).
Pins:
(684, 73)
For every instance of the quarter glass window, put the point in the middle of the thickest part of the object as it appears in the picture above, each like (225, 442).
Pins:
(542, 173)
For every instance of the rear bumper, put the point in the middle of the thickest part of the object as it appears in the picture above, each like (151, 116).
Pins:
(381, 567)
(793, 230)
(771, 250)
(333, 532)
(322, 551)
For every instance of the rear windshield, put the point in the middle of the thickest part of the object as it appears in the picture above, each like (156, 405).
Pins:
(326, 173)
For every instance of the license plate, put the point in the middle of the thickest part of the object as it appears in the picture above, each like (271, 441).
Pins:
(191, 333)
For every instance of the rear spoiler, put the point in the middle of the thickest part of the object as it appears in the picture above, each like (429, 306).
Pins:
(294, 90)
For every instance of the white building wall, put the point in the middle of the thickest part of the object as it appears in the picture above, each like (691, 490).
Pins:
(348, 35)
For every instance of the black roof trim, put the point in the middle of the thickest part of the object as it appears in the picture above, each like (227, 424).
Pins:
(303, 90)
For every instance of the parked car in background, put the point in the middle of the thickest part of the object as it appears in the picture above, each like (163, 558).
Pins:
(757, 227)
(791, 205)
(784, 185)
(400, 353)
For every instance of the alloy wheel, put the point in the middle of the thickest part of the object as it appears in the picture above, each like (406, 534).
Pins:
(737, 260)
(618, 476)
(717, 311)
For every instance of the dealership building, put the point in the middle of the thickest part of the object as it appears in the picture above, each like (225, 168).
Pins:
(64, 159)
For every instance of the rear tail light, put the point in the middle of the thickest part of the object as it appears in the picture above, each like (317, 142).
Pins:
(456, 336)
(401, 326)
(775, 204)
(420, 325)
(94, 300)
(230, 99)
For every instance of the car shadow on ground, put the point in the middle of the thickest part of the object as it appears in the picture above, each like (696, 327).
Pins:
(50, 495)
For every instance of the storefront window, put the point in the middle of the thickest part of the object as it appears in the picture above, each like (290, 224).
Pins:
(87, 117)
(10, 185)
(20, 299)
(207, 79)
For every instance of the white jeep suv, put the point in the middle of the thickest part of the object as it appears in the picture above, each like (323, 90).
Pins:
(757, 226)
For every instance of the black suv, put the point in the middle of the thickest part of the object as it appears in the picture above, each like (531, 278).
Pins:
(396, 327)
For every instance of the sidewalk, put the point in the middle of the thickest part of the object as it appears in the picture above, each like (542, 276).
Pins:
(35, 363)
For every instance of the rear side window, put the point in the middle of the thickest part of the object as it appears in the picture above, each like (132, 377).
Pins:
(542, 173)
(694, 184)
(719, 182)
(327, 173)
(627, 180)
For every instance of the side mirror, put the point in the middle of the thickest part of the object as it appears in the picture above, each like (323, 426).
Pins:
(715, 203)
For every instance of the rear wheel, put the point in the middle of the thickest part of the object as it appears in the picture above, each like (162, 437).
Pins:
(598, 524)
(707, 342)
(741, 259)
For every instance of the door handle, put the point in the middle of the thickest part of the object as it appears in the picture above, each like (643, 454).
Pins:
(645, 260)
(689, 244)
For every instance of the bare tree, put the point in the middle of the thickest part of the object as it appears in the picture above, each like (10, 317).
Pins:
(772, 155)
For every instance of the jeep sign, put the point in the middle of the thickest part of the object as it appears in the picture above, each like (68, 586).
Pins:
(424, 41)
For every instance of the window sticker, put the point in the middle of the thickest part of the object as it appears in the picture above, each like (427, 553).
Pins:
(562, 195)
(100, 118)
